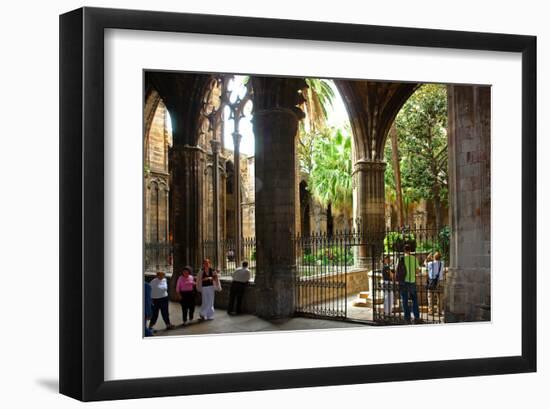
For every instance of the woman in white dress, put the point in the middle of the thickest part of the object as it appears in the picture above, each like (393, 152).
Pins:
(207, 283)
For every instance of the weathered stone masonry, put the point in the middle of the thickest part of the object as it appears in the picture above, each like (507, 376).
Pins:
(467, 294)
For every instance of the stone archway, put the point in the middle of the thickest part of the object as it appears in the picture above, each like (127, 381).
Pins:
(182, 94)
(372, 107)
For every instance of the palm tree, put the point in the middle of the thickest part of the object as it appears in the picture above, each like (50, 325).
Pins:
(318, 96)
(330, 179)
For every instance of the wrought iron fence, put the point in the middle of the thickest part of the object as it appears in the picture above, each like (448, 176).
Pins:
(417, 298)
(158, 256)
(352, 274)
(341, 275)
(321, 282)
(227, 255)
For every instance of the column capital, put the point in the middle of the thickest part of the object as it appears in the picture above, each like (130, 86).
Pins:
(368, 165)
(295, 112)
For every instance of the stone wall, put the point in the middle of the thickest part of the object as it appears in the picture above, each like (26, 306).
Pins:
(356, 281)
(467, 291)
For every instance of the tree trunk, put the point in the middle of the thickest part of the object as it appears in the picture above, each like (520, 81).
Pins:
(436, 188)
(437, 206)
(397, 174)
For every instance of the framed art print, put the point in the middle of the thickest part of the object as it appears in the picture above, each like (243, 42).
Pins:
(286, 188)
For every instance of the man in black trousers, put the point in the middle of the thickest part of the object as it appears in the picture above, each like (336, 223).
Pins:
(241, 276)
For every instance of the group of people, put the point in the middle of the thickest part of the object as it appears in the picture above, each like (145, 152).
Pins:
(404, 277)
(206, 283)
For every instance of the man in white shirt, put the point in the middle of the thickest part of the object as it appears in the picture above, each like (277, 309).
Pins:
(241, 276)
(159, 294)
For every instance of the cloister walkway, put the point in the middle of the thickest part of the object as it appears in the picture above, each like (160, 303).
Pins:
(224, 323)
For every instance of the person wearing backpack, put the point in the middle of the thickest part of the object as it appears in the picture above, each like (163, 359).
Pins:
(406, 276)
(435, 274)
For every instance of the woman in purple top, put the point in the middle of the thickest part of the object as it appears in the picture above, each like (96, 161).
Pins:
(185, 286)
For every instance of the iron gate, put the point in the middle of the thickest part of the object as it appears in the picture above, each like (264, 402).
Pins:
(325, 264)
(321, 284)
(387, 296)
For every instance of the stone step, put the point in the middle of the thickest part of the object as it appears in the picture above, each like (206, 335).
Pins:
(360, 303)
(366, 302)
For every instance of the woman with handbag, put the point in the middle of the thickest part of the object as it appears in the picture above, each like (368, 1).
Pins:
(207, 284)
(185, 287)
(435, 274)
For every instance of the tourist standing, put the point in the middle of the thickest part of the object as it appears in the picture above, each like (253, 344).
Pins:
(435, 274)
(387, 279)
(159, 294)
(207, 279)
(241, 276)
(185, 286)
(408, 286)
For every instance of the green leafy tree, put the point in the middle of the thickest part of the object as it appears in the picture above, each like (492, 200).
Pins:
(421, 129)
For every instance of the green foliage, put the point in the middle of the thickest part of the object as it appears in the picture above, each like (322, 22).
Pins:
(319, 96)
(327, 256)
(395, 241)
(439, 242)
(421, 129)
(330, 175)
(445, 242)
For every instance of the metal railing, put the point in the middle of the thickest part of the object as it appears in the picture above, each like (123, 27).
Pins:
(227, 251)
(340, 275)
(387, 295)
(321, 282)
(352, 274)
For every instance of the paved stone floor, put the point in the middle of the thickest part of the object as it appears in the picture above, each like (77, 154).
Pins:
(224, 323)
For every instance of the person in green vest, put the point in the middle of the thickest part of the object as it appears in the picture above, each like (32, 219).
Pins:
(408, 286)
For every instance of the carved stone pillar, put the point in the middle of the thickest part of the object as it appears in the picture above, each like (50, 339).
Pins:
(275, 130)
(467, 285)
(216, 199)
(186, 200)
(237, 197)
(275, 123)
(368, 208)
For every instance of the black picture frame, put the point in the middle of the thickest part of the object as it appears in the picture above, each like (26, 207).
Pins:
(82, 213)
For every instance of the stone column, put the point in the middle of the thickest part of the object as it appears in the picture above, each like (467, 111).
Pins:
(185, 213)
(275, 131)
(467, 286)
(237, 196)
(368, 208)
(216, 199)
